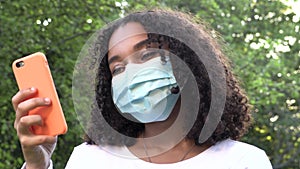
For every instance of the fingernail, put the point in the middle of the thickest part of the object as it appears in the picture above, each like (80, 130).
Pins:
(47, 100)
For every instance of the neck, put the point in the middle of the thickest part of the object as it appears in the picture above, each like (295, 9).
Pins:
(156, 128)
(164, 134)
(157, 145)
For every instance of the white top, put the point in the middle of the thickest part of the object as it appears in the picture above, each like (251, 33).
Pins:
(227, 154)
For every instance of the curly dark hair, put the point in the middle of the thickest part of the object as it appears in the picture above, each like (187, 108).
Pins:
(236, 116)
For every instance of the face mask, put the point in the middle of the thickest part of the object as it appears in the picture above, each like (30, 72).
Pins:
(144, 90)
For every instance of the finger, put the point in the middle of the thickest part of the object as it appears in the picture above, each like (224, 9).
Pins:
(28, 141)
(26, 122)
(24, 107)
(22, 95)
(27, 105)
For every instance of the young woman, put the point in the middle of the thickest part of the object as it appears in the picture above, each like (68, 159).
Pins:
(165, 97)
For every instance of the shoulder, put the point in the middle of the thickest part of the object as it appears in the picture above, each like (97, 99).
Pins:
(86, 147)
(91, 156)
(84, 154)
(236, 147)
(102, 150)
(240, 155)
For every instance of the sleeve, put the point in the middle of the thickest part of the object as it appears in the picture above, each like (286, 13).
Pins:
(254, 160)
(50, 166)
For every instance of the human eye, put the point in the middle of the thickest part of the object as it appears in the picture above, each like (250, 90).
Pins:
(117, 70)
(149, 55)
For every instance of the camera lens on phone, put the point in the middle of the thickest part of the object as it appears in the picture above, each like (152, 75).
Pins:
(20, 64)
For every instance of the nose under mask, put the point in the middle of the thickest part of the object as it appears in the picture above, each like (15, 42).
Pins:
(144, 90)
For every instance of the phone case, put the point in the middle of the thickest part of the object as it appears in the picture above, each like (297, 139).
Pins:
(34, 71)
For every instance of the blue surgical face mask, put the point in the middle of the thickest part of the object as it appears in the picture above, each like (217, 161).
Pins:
(144, 90)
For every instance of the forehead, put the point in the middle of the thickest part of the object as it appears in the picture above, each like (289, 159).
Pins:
(131, 30)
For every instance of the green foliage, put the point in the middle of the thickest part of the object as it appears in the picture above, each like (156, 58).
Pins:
(263, 37)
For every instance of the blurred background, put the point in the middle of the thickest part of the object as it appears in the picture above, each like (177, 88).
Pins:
(262, 37)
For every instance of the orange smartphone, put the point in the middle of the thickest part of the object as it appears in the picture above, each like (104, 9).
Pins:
(34, 71)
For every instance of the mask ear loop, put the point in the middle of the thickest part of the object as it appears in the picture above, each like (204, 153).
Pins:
(182, 80)
(161, 41)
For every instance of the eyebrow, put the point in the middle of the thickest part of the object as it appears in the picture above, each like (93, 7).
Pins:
(113, 59)
(136, 47)
(140, 44)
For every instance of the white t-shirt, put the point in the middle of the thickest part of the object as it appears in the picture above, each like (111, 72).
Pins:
(227, 154)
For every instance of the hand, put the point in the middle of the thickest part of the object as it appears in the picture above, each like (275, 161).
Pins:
(37, 149)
